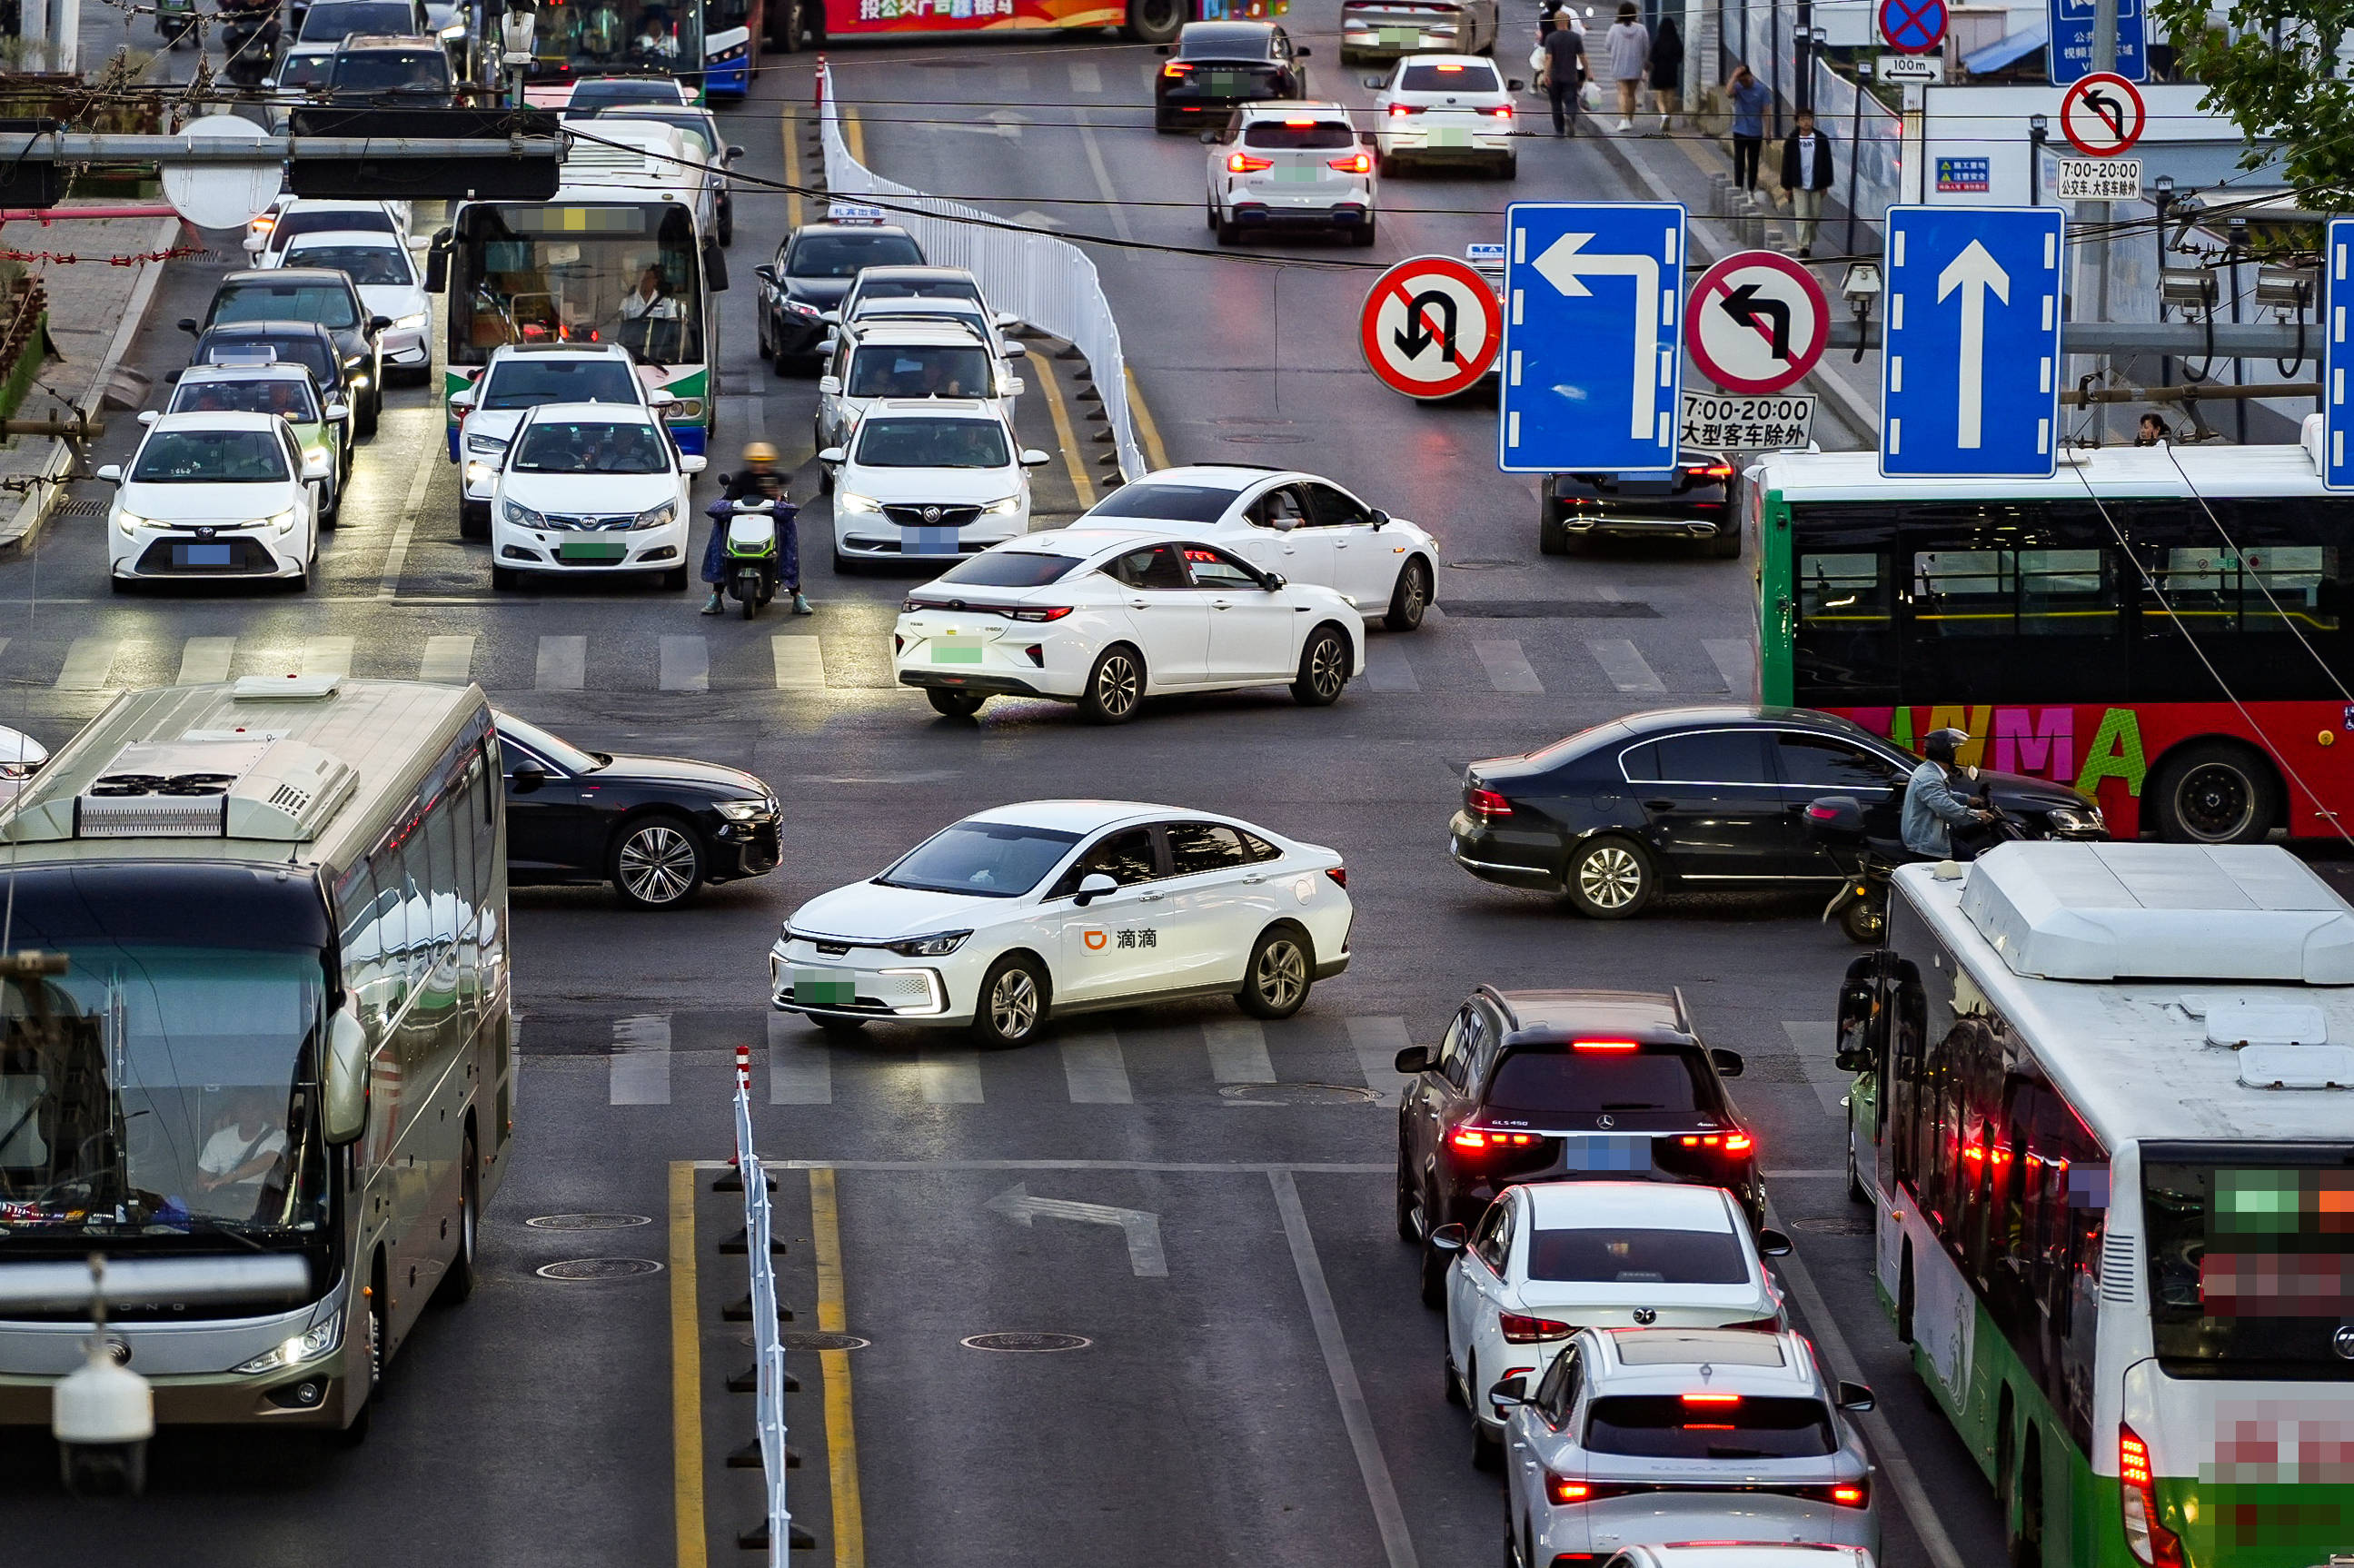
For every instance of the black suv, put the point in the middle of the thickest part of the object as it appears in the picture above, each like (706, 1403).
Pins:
(1694, 502)
(1218, 64)
(392, 72)
(318, 294)
(814, 268)
(1552, 1085)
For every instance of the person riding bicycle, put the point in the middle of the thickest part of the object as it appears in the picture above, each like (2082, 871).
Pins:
(1936, 823)
(759, 481)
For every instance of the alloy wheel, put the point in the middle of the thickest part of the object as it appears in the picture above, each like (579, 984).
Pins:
(1328, 667)
(1013, 1004)
(1610, 877)
(1280, 974)
(657, 863)
(1116, 686)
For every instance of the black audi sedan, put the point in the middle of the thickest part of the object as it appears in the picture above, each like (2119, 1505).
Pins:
(1695, 502)
(814, 268)
(657, 828)
(1709, 798)
(1213, 66)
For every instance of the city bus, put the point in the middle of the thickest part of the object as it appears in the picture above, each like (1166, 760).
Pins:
(279, 1027)
(2101, 1112)
(575, 38)
(2163, 628)
(796, 24)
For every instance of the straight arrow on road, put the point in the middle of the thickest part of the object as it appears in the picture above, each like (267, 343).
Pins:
(1565, 266)
(1142, 1226)
(1974, 272)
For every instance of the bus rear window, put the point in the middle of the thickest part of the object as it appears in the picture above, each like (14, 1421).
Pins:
(1556, 1081)
(1710, 1425)
(2251, 1263)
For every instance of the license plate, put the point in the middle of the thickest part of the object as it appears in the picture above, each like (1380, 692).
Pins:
(1607, 1153)
(956, 650)
(590, 550)
(927, 541)
(1295, 175)
(1401, 38)
(1221, 83)
(203, 556)
(1441, 136)
(825, 988)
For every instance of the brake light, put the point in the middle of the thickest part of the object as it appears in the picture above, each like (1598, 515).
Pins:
(1338, 874)
(1520, 1330)
(1712, 1399)
(1502, 111)
(1300, 124)
(1244, 164)
(1562, 1489)
(1486, 804)
(1856, 1494)
(1051, 612)
(1397, 109)
(1450, 70)
(1357, 164)
(1175, 68)
(2153, 1544)
(1604, 1045)
(1478, 1139)
(1738, 1143)
(899, 643)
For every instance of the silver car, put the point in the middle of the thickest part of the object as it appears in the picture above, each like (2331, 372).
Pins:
(1290, 165)
(1381, 29)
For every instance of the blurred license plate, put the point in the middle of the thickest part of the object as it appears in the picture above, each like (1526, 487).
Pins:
(919, 541)
(1222, 83)
(956, 650)
(202, 555)
(589, 550)
(1401, 38)
(1445, 136)
(1298, 175)
(1607, 1153)
(824, 988)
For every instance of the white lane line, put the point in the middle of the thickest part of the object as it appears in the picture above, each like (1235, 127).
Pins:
(1085, 77)
(1386, 669)
(205, 660)
(396, 558)
(1816, 1045)
(800, 1063)
(563, 663)
(639, 1067)
(1238, 1051)
(685, 664)
(801, 663)
(951, 1078)
(1356, 1417)
(86, 664)
(1102, 176)
(1737, 661)
(1377, 1042)
(328, 656)
(1625, 665)
(1508, 667)
(447, 659)
(1096, 1071)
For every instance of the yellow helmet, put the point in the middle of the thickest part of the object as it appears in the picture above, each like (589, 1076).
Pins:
(760, 453)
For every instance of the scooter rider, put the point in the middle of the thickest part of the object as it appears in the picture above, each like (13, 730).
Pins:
(1932, 813)
(759, 481)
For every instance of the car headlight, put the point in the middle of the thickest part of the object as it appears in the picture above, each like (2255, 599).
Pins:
(489, 446)
(938, 945)
(655, 516)
(2074, 819)
(523, 516)
(741, 810)
(1005, 508)
(850, 501)
(802, 308)
(453, 32)
(131, 522)
(409, 323)
(283, 521)
(304, 1347)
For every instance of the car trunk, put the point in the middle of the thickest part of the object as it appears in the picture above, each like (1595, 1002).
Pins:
(1278, 163)
(1404, 25)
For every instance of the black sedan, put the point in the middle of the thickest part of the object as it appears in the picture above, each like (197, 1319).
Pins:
(657, 828)
(1702, 797)
(1217, 65)
(318, 294)
(1695, 501)
(814, 268)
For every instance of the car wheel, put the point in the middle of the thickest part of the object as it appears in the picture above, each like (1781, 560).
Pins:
(1554, 537)
(1451, 1384)
(1856, 1191)
(1229, 231)
(1209, 213)
(2213, 792)
(300, 581)
(955, 704)
(1388, 163)
(372, 1358)
(364, 418)
(674, 580)
(1281, 970)
(1011, 1006)
(459, 1283)
(1323, 669)
(1510, 168)
(779, 361)
(1486, 1450)
(824, 480)
(726, 228)
(656, 863)
(1610, 877)
(474, 522)
(1410, 598)
(122, 584)
(1409, 1214)
(1726, 545)
(1115, 687)
(505, 578)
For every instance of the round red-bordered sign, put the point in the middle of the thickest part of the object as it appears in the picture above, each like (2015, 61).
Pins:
(1914, 26)
(1756, 322)
(1431, 326)
(2103, 114)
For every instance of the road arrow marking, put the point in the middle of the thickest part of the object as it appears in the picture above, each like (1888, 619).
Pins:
(1565, 266)
(1744, 306)
(1974, 272)
(1143, 1226)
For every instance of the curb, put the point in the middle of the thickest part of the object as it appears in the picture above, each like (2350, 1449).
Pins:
(19, 532)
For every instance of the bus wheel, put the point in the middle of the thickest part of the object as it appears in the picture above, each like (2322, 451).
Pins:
(2215, 793)
(2027, 1543)
(785, 26)
(459, 1283)
(1154, 21)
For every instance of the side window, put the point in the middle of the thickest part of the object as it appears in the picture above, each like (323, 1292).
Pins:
(1493, 1236)
(1214, 571)
(1714, 756)
(1154, 566)
(1330, 508)
(465, 817)
(1452, 1047)
(486, 830)
(440, 839)
(1557, 1395)
(1256, 849)
(1195, 847)
(1126, 857)
(362, 937)
(1281, 506)
(1640, 764)
(1465, 1065)
(1819, 762)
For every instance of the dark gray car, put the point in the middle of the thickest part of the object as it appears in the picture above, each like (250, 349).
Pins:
(317, 294)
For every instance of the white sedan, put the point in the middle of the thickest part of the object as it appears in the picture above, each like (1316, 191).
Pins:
(21, 756)
(1052, 908)
(1105, 618)
(1549, 1258)
(380, 267)
(590, 490)
(1445, 108)
(936, 477)
(215, 495)
(521, 376)
(1301, 524)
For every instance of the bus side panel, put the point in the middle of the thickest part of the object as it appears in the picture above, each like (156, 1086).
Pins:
(845, 17)
(1776, 601)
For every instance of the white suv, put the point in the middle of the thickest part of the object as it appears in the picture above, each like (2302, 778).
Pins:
(910, 360)
(1289, 166)
(519, 378)
(1445, 108)
(927, 478)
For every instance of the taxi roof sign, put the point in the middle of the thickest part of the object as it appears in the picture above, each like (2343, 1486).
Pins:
(1484, 252)
(853, 212)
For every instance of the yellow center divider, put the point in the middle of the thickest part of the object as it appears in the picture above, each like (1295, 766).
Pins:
(1073, 457)
(685, 1372)
(841, 1438)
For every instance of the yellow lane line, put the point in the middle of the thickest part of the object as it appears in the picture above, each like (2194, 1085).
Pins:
(792, 166)
(685, 1372)
(841, 1441)
(1154, 452)
(1074, 458)
(855, 133)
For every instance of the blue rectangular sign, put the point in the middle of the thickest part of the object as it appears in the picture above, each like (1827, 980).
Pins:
(1593, 363)
(1969, 369)
(2069, 55)
(2337, 473)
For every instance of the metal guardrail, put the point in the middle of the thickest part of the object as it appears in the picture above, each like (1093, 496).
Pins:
(1048, 282)
(769, 1345)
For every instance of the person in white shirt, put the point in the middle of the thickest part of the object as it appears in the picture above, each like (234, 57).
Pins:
(1806, 175)
(648, 302)
(244, 1148)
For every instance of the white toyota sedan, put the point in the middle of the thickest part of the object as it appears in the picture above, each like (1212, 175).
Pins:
(590, 490)
(1052, 907)
(1105, 618)
(215, 495)
(1301, 524)
(1549, 1258)
(1445, 108)
(929, 477)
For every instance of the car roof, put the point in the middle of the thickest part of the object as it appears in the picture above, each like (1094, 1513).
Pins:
(369, 238)
(276, 327)
(915, 271)
(941, 407)
(1446, 59)
(829, 228)
(221, 420)
(919, 334)
(1669, 1360)
(1239, 475)
(356, 42)
(590, 413)
(1219, 34)
(289, 275)
(1657, 1205)
(283, 371)
(1591, 1011)
(1085, 540)
(1086, 816)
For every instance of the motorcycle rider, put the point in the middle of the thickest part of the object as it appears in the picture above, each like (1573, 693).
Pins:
(1936, 823)
(759, 481)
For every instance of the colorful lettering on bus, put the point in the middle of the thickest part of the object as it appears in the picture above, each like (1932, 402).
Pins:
(788, 23)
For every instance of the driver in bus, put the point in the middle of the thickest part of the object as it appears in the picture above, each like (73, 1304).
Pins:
(657, 41)
(1937, 824)
(245, 1148)
(648, 302)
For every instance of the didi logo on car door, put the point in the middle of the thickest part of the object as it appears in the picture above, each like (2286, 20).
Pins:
(1096, 940)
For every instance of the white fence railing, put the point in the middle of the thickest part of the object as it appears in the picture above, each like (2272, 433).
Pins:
(1048, 282)
(768, 1344)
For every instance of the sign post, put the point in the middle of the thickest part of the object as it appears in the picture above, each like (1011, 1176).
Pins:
(1431, 327)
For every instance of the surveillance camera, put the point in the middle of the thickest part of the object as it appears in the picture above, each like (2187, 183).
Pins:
(102, 1414)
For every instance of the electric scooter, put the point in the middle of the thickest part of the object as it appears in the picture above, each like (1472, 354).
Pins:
(1860, 904)
(748, 557)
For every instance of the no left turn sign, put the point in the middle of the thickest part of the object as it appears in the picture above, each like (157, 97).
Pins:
(1431, 327)
(1756, 322)
(2103, 114)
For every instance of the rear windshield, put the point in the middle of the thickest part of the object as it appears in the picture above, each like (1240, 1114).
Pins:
(528, 383)
(365, 264)
(1639, 1257)
(260, 301)
(993, 860)
(588, 94)
(1451, 79)
(333, 21)
(1218, 43)
(287, 399)
(1706, 1426)
(307, 352)
(305, 71)
(561, 446)
(1168, 503)
(1542, 1081)
(946, 372)
(842, 255)
(1011, 568)
(1311, 135)
(389, 70)
(212, 457)
(918, 289)
(2251, 1264)
(932, 443)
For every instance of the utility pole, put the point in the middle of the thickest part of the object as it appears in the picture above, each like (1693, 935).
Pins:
(2105, 58)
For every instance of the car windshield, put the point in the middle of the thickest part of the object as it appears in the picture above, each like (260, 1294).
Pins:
(842, 255)
(1010, 568)
(527, 383)
(258, 300)
(931, 444)
(1450, 77)
(305, 71)
(394, 70)
(550, 747)
(1307, 136)
(292, 225)
(364, 264)
(918, 289)
(685, 122)
(1168, 503)
(282, 396)
(1542, 1081)
(1622, 1255)
(568, 446)
(991, 860)
(877, 371)
(333, 21)
(1707, 1426)
(210, 457)
(593, 95)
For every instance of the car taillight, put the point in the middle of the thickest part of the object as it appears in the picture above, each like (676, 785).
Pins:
(1717, 1401)
(2153, 1544)
(1562, 1489)
(1731, 1142)
(1398, 109)
(1739, 1143)
(1356, 164)
(1486, 804)
(1603, 1046)
(1478, 1139)
(1054, 612)
(1843, 1494)
(1502, 111)
(1244, 164)
(1520, 1330)
(1338, 874)
(1711, 470)
(1175, 68)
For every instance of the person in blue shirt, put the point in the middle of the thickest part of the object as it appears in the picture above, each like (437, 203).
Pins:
(1750, 98)
(1931, 811)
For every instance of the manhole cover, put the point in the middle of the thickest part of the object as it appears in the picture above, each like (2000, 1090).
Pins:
(1027, 1342)
(1834, 1225)
(588, 1222)
(1476, 566)
(1295, 1095)
(598, 1269)
(814, 1340)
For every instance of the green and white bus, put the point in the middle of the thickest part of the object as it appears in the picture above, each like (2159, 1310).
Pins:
(2105, 1110)
(281, 1030)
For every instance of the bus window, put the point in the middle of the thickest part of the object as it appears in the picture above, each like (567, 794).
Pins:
(2011, 598)
(1846, 634)
(2246, 604)
(2012, 593)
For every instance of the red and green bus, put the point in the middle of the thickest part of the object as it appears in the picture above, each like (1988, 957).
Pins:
(2163, 628)
(810, 24)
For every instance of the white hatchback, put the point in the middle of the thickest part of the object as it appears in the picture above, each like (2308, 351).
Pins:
(1052, 908)
(590, 490)
(215, 496)
(1289, 166)
(930, 478)
(1106, 617)
(380, 267)
(1445, 108)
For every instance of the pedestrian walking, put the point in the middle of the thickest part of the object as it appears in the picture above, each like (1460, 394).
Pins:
(1749, 98)
(1626, 48)
(1668, 71)
(1565, 63)
(1806, 175)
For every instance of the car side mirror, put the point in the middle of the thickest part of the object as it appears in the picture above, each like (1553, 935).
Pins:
(766, 274)
(343, 1111)
(832, 337)
(1275, 582)
(726, 478)
(1773, 1244)
(111, 474)
(1017, 350)
(1416, 1059)
(1004, 318)
(1728, 1063)
(527, 777)
(658, 399)
(734, 154)
(1449, 1238)
(420, 242)
(1514, 84)
(1855, 1397)
(692, 464)
(1283, 524)
(1301, 54)
(1033, 458)
(1368, 139)
(1508, 1395)
(464, 400)
(188, 325)
(1378, 518)
(1208, 137)
(1016, 386)
(254, 242)
(314, 465)
(380, 324)
(1376, 83)
(339, 410)
(149, 416)
(831, 454)
(831, 386)
(830, 318)
(1092, 887)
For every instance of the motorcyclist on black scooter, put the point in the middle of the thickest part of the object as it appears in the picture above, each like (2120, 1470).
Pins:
(1937, 822)
(759, 481)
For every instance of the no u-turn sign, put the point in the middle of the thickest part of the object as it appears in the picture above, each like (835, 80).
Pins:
(1431, 327)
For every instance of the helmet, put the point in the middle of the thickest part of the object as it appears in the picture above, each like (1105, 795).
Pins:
(1940, 745)
(759, 452)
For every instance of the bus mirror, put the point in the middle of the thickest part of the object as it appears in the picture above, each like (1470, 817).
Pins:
(437, 270)
(1851, 1034)
(346, 1077)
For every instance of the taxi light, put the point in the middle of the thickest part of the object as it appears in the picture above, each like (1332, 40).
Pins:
(1244, 164)
(1719, 1400)
(1357, 164)
(2153, 1544)
(1606, 1045)
(1520, 1330)
(1562, 1489)
(1486, 804)
(1338, 874)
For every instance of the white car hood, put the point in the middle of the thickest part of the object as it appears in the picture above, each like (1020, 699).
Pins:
(932, 486)
(394, 299)
(867, 912)
(599, 494)
(228, 505)
(498, 423)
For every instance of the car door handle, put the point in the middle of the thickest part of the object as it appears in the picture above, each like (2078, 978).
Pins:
(1148, 898)
(1222, 604)
(1139, 604)
(1254, 880)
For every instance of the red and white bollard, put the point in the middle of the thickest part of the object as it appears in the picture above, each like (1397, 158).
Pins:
(744, 1068)
(818, 100)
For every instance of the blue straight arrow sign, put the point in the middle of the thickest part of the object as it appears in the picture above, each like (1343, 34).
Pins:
(1593, 364)
(1970, 371)
(2337, 473)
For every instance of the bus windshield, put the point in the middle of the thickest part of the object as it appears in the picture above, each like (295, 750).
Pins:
(619, 35)
(566, 272)
(2251, 1260)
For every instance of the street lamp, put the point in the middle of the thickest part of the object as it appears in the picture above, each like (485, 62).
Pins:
(2038, 128)
(1811, 42)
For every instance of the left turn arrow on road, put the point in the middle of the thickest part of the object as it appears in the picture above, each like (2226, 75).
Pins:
(1142, 1226)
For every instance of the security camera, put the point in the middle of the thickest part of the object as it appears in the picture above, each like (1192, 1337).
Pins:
(102, 1414)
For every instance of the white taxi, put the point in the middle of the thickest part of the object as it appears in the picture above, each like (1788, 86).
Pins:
(1052, 907)
(590, 490)
(520, 377)
(1445, 108)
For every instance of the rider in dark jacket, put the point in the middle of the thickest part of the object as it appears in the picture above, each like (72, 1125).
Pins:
(759, 481)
